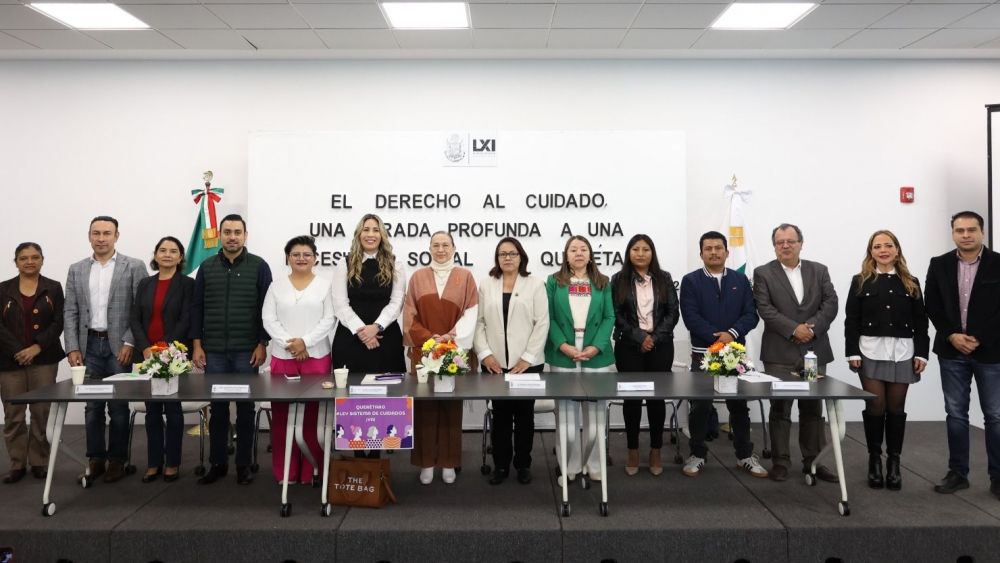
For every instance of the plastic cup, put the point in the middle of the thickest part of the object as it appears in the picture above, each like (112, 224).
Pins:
(340, 376)
(421, 374)
(78, 373)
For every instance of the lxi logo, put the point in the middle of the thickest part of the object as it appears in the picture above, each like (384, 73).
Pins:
(484, 145)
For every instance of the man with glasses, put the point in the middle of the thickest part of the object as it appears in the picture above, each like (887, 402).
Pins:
(797, 302)
(229, 337)
(962, 299)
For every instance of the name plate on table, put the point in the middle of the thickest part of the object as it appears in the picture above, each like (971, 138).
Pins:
(94, 389)
(789, 386)
(636, 386)
(526, 384)
(369, 389)
(228, 389)
(522, 377)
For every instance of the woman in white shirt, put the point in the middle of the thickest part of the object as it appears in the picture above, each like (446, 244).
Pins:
(298, 315)
(885, 333)
(511, 331)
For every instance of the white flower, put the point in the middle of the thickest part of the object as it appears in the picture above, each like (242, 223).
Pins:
(177, 367)
(433, 365)
(154, 369)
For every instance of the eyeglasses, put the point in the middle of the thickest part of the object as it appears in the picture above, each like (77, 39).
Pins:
(785, 242)
(510, 255)
(306, 255)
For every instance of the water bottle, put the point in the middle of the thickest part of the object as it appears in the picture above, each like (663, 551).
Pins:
(810, 366)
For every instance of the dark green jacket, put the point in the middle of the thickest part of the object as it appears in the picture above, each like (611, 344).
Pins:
(228, 298)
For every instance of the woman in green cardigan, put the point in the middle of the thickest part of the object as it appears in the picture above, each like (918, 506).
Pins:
(581, 320)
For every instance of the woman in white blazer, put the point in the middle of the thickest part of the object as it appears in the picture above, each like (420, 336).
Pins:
(511, 330)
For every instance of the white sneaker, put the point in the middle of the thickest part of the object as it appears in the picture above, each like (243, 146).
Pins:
(752, 466)
(426, 475)
(693, 466)
(448, 475)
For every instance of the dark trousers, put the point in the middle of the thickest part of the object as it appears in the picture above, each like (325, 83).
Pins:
(812, 434)
(155, 435)
(218, 424)
(629, 357)
(956, 382)
(739, 422)
(698, 421)
(101, 362)
(513, 418)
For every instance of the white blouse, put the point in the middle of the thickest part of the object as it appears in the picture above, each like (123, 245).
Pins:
(342, 303)
(308, 314)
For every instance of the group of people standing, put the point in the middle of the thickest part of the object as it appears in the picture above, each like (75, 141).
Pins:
(233, 315)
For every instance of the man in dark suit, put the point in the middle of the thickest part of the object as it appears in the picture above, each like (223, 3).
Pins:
(797, 302)
(963, 301)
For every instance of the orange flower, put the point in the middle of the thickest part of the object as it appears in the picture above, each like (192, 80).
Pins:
(716, 348)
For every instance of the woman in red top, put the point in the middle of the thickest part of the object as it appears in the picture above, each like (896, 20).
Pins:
(161, 312)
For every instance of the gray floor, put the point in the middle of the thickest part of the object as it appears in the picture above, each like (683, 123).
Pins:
(724, 515)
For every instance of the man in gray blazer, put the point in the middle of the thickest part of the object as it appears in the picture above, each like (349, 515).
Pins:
(797, 302)
(99, 294)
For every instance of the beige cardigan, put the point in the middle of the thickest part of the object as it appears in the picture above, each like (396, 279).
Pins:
(527, 321)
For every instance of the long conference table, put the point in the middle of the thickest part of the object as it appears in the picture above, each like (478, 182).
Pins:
(561, 387)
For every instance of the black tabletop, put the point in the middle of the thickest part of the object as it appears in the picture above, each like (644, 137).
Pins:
(576, 386)
(698, 385)
(467, 387)
(194, 387)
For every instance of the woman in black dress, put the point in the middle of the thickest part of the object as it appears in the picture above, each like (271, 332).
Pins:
(368, 290)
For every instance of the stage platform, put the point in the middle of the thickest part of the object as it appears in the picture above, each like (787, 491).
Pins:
(721, 516)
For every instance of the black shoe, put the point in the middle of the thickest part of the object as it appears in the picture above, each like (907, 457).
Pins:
(524, 476)
(893, 480)
(171, 477)
(823, 473)
(499, 476)
(952, 482)
(150, 477)
(243, 475)
(14, 476)
(778, 473)
(215, 473)
(39, 472)
(995, 487)
(374, 454)
(875, 479)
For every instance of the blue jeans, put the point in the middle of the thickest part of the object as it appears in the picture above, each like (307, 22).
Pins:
(956, 382)
(101, 362)
(218, 424)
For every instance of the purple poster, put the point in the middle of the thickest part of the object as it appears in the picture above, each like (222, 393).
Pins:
(374, 423)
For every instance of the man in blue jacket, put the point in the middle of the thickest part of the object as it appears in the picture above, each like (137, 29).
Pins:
(717, 306)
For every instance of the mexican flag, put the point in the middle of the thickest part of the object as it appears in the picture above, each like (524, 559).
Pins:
(205, 237)
(740, 255)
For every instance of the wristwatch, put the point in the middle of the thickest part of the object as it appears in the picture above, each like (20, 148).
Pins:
(381, 328)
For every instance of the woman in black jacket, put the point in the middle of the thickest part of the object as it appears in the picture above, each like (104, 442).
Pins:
(30, 352)
(161, 311)
(646, 311)
(885, 333)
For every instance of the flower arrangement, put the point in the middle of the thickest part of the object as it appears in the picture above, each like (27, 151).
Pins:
(444, 358)
(726, 359)
(167, 360)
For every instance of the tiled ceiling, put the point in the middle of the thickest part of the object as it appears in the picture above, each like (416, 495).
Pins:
(522, 28)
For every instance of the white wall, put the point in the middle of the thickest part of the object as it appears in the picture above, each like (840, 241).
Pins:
(824, 144)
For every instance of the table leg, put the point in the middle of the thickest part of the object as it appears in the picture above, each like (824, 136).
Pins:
(602, 448)
(300, 439)
(327, 435)
(53, 431)
(286, 508)
(837, 431)
(562, 430)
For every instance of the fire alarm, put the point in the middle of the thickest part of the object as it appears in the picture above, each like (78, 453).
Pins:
(906, 194)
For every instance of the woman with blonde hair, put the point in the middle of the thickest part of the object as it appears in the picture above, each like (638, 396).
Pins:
(885, 333)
